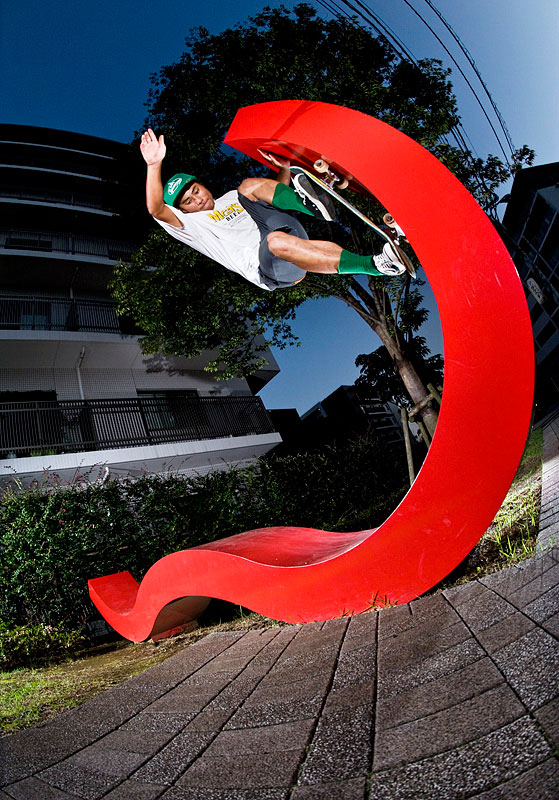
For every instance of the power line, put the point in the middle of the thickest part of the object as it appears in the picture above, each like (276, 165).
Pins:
(372, 19)
(368, 16)
(476, 70)
(365, 13)
(461, 71)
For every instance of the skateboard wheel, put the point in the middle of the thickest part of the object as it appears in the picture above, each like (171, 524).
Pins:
(321, 166)
(343, 184)
(388, 219)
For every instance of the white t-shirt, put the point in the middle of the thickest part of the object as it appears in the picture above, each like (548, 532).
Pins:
(226, 234)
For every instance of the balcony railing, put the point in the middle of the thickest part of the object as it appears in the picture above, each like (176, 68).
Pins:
(19, 313)
(53, 195)
(66, 243)
(80, 165)
(69, 426)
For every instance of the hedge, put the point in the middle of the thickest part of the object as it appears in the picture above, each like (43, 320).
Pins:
(34, 645)
(52, 541)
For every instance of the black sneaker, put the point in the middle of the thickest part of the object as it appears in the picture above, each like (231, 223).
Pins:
(318, 203)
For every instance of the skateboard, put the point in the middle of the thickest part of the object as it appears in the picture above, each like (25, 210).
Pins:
(329, 180)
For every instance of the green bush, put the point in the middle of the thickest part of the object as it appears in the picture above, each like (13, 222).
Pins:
(338, 488)
(24, 646)
(53, 541)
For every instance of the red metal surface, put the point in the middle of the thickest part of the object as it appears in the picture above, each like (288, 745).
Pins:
(298, 574)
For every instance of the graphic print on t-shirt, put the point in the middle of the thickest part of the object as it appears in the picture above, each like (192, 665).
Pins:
(226, 234)
(228, 213)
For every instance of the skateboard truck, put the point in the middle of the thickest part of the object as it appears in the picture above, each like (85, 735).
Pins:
(334, 181)
(331, 178)
(391, 223)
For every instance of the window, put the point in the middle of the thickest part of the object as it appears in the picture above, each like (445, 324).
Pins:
(550, 249)
(539, 222)
(169, 410)
(35, 315)
(546, 333)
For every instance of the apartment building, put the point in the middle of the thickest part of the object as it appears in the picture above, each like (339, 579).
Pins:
(349, 410)
(77, 396)
(531, 231)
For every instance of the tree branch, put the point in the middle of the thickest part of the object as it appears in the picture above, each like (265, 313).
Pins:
(353, 303)
(365, 298)
(404, 289)
(380, 306)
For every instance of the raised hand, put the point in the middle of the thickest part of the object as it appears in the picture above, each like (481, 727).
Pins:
(277, 161)
(153, 149)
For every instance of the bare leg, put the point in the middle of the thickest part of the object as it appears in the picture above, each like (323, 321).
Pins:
(312, 256)
(307, 254)
(319, 256)
(258, 189)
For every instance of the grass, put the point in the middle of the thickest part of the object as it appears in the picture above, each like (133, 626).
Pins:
(514, 530)
(32, 696)
(512, 535)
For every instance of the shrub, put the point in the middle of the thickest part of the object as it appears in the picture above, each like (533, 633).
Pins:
(337, 488)
(52, 542)
(23, 646)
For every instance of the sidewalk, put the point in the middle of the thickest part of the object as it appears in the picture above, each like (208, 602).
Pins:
(549, 514)
(451, 696)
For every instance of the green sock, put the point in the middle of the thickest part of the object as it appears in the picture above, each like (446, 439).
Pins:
(287, 199)
(352, 264)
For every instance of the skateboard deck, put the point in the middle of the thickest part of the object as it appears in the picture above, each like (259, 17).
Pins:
(328, 186)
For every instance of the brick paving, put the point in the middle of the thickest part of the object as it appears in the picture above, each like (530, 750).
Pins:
(452, 696)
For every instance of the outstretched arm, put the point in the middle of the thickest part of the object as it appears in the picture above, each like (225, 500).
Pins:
(153, 151)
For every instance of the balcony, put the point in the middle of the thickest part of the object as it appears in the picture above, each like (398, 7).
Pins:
(53, 196)
(66, 244)
(87, 165)
(20, 313)
(70, 426)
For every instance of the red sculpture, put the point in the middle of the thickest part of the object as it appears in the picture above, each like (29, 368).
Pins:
(300, 574)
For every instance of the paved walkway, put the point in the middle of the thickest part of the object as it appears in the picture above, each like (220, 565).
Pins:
(549, 514)
(452, 696)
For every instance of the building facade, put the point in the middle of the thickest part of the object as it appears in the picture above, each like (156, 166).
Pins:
(76, 393)
(531, 231)
(348, 411)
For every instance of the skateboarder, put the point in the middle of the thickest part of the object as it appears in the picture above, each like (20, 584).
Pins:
(249, 230)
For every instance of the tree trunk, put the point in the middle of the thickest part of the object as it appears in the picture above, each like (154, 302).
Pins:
(411, 380)
(417, 392)
(370, 308)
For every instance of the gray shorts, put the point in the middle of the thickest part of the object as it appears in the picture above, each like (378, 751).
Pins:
(276, 272)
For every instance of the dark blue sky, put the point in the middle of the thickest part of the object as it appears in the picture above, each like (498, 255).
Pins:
(86, 68)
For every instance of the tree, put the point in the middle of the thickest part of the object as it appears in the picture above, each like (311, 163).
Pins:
(378, 375)
(281, 54)
(379, 378)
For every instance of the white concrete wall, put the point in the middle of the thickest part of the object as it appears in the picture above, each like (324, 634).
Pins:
(177, 458)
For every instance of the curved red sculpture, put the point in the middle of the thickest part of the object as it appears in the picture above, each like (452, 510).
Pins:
(299, 575)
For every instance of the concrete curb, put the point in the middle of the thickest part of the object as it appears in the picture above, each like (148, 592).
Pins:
(549, 513)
